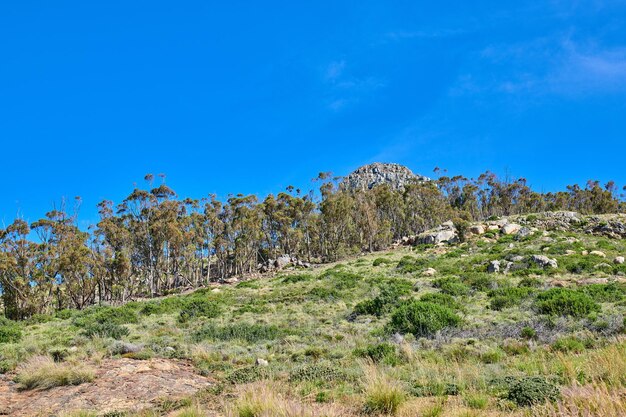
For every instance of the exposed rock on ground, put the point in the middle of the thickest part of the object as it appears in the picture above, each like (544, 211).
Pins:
(120, 385)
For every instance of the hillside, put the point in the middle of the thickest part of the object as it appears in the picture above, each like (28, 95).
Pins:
(507, 317)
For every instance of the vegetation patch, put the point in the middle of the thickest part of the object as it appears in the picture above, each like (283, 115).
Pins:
(247, 332)
(422, 319)
(565, 302)
(42, 372)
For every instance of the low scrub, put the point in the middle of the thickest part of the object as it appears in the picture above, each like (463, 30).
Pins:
(389, 297)
(198, 307)
(451, 286)
(531, 390)
(10, 331)
(247, 332)
(565, 302)
(43, 373)
(422, 319)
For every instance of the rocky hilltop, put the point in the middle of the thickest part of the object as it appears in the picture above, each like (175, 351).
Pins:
(368, 176)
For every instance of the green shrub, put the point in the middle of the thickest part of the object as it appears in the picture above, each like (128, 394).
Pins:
(409, 264)
(10, 331)
(508, 297)
(388, 298)
(324, 372)
(451, 285)
(247, 374)
(381, 261)
(102, 315)
(198, 307)
(324, 293)
(531, 390)
(605, 293)
(435, 389)
(528, 333)
(480, 281)
(530, 282)
(111, 330)
(441, 299)
(565, 302)
(381, 352)
(247, 332)
(422, 319)
(568, 344)
(340, 279)
(292, 279)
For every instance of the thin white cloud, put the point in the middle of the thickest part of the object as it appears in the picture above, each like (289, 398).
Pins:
(334, 70)
(546, 66)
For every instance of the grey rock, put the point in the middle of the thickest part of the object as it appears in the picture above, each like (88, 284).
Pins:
(511, 228)
(493, 267)
(261, 362)
(618, 260)
(543, 261)
(367, 177)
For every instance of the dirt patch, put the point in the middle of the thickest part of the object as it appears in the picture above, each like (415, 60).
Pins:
(120, 385)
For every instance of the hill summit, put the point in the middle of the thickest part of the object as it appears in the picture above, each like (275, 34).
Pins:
(369, 176)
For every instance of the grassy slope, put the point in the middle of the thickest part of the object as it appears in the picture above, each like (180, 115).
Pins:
(320, 357)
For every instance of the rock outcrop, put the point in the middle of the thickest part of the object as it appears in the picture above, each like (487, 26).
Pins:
(368, 176)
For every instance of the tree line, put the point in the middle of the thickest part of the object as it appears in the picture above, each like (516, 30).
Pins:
(154, 243)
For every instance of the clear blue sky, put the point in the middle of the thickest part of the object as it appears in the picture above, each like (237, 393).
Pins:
(250, 97)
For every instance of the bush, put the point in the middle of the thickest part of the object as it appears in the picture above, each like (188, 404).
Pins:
(531, 390)
(341, 280)
(451, 285)
(10, 331)
(388, 298)
(198, 307)
(441, 299)
(422, 319)
(381, 261)
(42, 372)
(435, 389)
(508, 297)
(247, 374)
(292, 279)
(381, 352)
(569, 344)
(324, 372)
(408, 264)
(105, 315)
(247, 332)
(480, 281)
(605, 293)
(565, 302)
(111, 330)
(528, 333)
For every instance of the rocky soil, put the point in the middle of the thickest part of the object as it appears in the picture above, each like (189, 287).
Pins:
(120, 385)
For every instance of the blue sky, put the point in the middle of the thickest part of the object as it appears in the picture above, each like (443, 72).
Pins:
(250, 97)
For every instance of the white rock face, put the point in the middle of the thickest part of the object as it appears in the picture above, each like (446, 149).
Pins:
(368, 176)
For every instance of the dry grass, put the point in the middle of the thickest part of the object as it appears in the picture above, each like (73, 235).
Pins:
(267, 400)
(43, 373)
(383, 395)
(586, 401)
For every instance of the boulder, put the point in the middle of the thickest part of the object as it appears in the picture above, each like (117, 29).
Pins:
(429, 272)
(618, 260)
(543, 261)
(598, 253)
(477, 229)
(511, 228)
(261, 362)
(493, 267)
(436, 237)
